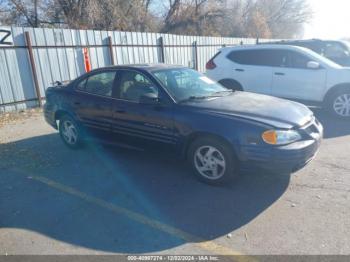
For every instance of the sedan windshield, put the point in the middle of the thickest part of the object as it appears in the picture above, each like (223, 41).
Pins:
(187, 84)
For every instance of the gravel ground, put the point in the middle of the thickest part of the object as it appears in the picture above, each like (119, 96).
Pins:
(99, 200)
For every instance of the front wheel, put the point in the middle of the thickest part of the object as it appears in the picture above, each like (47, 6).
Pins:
(339, 104)
(212, 161)
(70, 132)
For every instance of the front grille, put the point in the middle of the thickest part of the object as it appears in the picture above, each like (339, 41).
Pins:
(313, 129)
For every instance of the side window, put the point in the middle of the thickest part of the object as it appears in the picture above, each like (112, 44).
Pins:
(243, 57)
(334, 50)
(276, 58)
(298, 60)
(265, 57)
(133, 85)
(98, 84)
(315, 47)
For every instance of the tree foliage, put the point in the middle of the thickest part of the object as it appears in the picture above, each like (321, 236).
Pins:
(243, 18)
(193, 17)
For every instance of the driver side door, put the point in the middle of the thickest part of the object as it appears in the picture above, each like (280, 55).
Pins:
(138, 123)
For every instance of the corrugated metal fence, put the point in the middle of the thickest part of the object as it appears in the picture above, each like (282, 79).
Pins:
(57, 55)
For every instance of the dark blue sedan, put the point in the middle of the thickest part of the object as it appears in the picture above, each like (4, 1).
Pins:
(176, 109)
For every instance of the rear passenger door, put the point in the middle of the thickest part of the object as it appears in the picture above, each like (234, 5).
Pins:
(252, 69)
(93, 102)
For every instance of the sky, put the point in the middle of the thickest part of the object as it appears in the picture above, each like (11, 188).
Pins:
(331, 19)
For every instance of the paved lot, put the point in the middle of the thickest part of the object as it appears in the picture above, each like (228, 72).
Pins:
(101, 200)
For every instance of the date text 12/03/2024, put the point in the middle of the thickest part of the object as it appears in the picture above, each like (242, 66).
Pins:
(173, 258)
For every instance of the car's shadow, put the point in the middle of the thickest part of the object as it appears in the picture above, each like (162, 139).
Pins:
(333, 126)
(153, 185)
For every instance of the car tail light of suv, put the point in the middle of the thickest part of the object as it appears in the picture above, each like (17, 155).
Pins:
(211, 65)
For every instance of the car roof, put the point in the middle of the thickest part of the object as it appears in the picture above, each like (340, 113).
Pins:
(302, 41)
(295, 41)
(265, 46)
(146, 67)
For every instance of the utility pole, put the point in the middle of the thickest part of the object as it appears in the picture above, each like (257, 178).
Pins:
(36, 13)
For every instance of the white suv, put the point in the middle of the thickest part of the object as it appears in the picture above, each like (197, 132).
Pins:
(285, 71)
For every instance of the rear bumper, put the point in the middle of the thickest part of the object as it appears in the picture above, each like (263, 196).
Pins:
(49, 116)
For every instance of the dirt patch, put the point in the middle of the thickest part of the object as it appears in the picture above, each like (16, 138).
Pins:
(14, 117)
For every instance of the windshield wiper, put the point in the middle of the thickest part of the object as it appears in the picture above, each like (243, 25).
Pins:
(225, 91)
(198, 98)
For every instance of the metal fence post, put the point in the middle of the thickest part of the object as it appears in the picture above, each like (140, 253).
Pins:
(195, 55)
(32, 63)
(161, 50)
(111, 53)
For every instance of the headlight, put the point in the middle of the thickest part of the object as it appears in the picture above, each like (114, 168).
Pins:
(280, 137)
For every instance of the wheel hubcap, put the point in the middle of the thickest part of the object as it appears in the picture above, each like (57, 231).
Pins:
(210, 162)
(342, 105)
(69, 132)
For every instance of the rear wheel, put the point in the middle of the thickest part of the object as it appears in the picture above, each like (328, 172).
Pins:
(212, 160)
(70, 132)
(338, 103)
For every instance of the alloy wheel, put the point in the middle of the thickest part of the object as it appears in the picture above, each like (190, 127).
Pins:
(341, 105)
(69, 132)
(210, 162)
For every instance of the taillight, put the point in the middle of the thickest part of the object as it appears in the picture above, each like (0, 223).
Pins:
(210, 65)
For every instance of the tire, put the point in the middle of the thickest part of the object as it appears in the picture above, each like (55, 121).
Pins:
(231, 84)
(70, 132)
(213, 168)
(338, 103)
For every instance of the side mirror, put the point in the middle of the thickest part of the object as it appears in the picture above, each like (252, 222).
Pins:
(313, 65)
(149, 99)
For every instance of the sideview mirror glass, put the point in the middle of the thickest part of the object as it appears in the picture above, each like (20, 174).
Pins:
(313, 65)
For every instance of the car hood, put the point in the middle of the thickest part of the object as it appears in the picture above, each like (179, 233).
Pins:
(273, 111)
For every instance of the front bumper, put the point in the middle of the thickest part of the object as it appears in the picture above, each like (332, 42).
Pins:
(285, 159)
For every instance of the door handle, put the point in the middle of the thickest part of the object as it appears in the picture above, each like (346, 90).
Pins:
(239, 70)
(279, 74)
(120, 111)
(77, 103)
